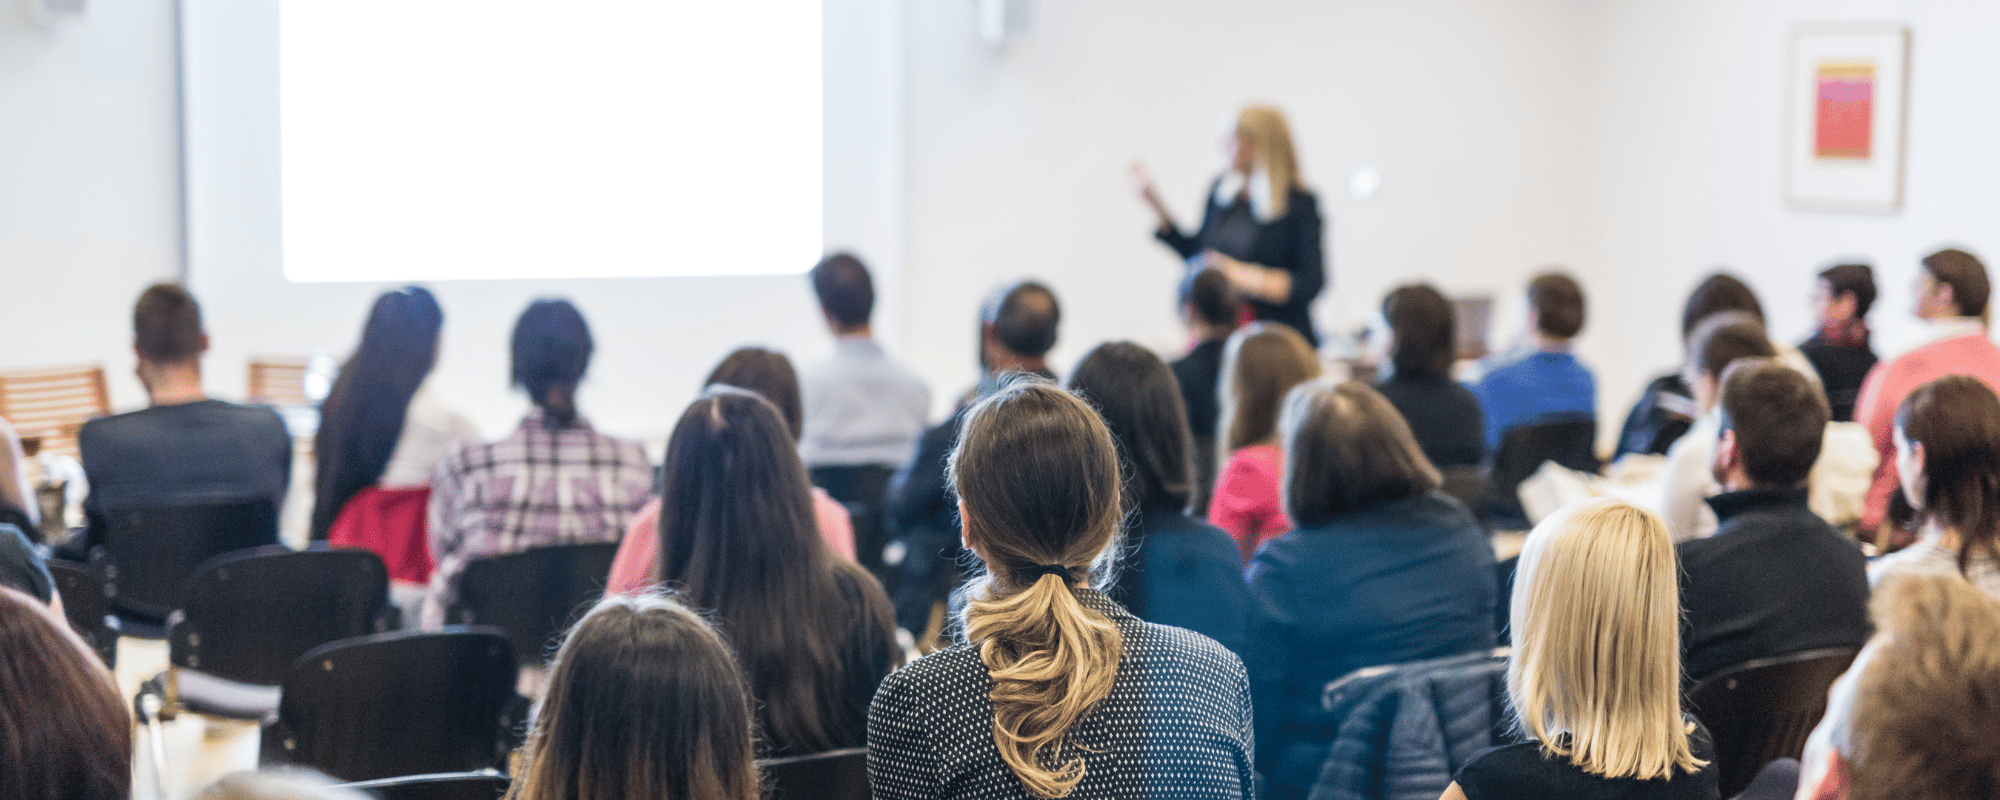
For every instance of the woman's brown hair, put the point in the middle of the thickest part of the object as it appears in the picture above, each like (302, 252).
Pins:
(64, 732)
(1347, 448)
(768, 373)
(1957, 420)
(1037, 477)
(644, 701)
(1924, 704)
(1261, 362)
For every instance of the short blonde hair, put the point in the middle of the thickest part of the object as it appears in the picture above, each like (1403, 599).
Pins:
(1595, 671)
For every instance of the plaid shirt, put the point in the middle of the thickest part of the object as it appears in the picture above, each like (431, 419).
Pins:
(536, 487)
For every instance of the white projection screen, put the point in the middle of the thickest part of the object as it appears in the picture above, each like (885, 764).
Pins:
(430, 140)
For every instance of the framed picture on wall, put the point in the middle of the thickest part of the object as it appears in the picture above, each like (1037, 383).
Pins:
(1846, 98)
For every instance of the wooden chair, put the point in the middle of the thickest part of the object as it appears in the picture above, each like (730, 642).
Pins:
(1763, 710)
(48, 406)
(279, 381)
(832, 775)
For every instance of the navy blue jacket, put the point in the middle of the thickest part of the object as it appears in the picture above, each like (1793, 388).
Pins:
(1183, 572)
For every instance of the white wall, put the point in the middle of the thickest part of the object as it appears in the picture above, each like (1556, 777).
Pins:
(89, 182)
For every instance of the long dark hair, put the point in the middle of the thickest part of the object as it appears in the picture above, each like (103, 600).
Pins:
(64, 732)
(1136, 394)
(363, 416)
(552, 347)
(1957, 419)
(738, 537)
(644, 701)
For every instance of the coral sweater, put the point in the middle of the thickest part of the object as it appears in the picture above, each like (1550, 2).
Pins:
(1962, 350)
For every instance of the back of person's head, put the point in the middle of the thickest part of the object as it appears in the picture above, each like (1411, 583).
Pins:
(166, 325)
(552, 347)
(644, 700)
(1723, 338)
(1136, 394)
(846, 292)
(1262, 362)
(768, 373)
(1778, 418)
(1594, 676)
(1557, 300)
(1206, 293)
(1716, 294)
(1851, 279)
(1956, 419)
(64, 731)
(277, 785)
(1963, 272)
(362, 417)
(1023, 318)
(738, 537)
(1037, 474)
(1347, 448)
(1924, 705)
(1423, 331)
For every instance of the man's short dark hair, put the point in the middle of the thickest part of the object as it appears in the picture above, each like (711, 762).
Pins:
(1207, 292)
(1558, 304)
(1716, 294)
(1966, 276)
(846, 292)
(1854, 279)
(1779, 417)
(1423, 330)
(1722, 338)
(166, 324)
(1024, 318)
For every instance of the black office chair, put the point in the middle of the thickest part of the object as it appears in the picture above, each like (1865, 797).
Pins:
(1570, 440)
(832, 775)
(440, 786)
(861, 488)
(1763, 710)
(396, 704)
(533, 595)
(250, 615)
(86, 607)
(148, 554)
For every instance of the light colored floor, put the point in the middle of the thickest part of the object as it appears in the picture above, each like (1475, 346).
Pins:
(197, 749)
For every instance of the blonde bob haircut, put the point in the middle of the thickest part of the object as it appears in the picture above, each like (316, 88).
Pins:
(1263, 128)
(1595, 672)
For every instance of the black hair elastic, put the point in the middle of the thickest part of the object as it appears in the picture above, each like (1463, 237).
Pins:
(1035, 573)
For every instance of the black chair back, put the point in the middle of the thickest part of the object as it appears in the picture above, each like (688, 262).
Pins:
(832, 775)
(150, 553)
(535, 594)
(861, 489)
(1763, 710)
(86, 607)
(441, 786)
(396, 704)
(250, 614)
(1568, 440)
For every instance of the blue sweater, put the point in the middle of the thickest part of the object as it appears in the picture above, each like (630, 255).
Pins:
(1528, 385)
(1184, 572)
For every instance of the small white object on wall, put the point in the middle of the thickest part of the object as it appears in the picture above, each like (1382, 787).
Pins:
(1363, 182)
(47, 12)
(1846, 103)
(1000, 20)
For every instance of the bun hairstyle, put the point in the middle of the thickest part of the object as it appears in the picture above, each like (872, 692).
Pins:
(552, 347)
(1038, 477)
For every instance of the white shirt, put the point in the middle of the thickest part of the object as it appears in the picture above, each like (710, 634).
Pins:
(861, 407)
(429, 428)
(1838, 483)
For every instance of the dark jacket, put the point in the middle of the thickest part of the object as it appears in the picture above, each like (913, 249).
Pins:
(1400, 581)
(1665, 411)
(1841, 371)
(1774, 579)
(1293, 243)
(180, 455)
(1183, 572)
(1402, 735)
(1443, 414)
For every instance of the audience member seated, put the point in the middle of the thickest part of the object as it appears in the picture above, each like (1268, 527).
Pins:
(737, 539)
(17, 492)
(1689, 478)
(1423, 345)
(769, 375)
(1952, 291)
(1594, 675)
(554, 480)
(1384, 568)
(1913, 718)
(1542, 380)
(66, 731)
(1056, 691)
(1262, 362)
(1839, 350)
(1174, 569)
(644, 701)
(1666, 409)
(185, 449)
(1017, 328)
(1775, 579)
(1211, 312)
(381, 433)
(1947, 440)
(23, 569)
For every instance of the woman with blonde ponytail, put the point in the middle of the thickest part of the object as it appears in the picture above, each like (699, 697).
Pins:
(1056, 691)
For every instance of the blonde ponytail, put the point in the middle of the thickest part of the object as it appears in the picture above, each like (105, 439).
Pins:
(1051, 660)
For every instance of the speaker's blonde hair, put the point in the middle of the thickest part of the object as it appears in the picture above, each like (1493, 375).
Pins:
(1037, 475)
(1595, 671)
(1263, 128)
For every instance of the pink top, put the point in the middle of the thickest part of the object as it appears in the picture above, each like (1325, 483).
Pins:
(1892, 381)
(637, 562)
(1246, 498)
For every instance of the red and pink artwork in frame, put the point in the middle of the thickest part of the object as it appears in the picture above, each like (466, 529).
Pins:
(1844, 110)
